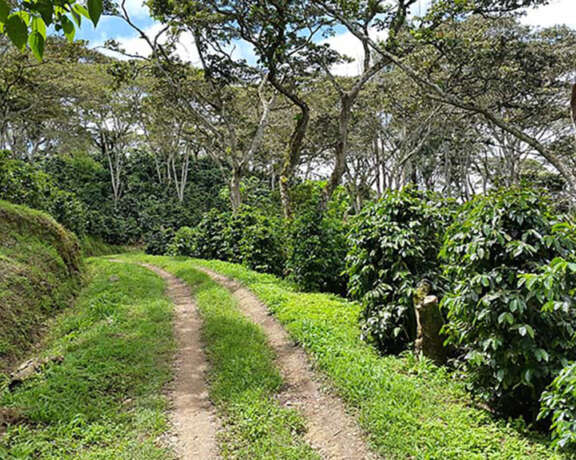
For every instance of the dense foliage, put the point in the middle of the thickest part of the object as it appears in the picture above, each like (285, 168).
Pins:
(247, 237)
(394, 245)
(514, 331)
(75, 191)
(559, 404)
(317, 255)
(22, 183)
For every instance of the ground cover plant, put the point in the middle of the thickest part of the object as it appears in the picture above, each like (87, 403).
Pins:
(408, 407)
(40, 272)
(104, 400)
(243, 377)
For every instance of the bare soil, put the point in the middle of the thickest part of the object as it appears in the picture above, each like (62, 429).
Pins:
(331, 430)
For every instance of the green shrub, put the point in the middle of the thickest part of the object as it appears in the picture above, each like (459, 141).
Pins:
(316, 260)
(261, 246)
(183, 243)
(559, 404)
(514, 328)
(24, 184)
(210, 236)
(236, 227)
(158, 241)
(247, 237)
(394, 245)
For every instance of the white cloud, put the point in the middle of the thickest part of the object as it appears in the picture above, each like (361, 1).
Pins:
(557, 12)
(348, 45)
(137, 46)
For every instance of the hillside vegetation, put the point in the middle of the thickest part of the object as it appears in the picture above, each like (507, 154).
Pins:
(40, 270)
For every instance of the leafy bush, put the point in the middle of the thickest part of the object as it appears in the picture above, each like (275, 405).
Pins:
(236, 227)
(261, 246)
(159, 240)
(394, 245)
(559, 404)
(514, 327)
(210, 238)
(183, 243)
(22, 183)
(316, 260)
(247, 237)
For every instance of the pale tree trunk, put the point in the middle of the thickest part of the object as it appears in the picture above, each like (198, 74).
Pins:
(235, 194)
(181, 180)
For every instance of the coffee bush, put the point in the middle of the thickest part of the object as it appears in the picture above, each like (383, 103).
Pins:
(559, 405)
(317, 255)
(394, 245)
(510, 307)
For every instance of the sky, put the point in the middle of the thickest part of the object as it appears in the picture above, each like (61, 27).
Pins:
(557, 12)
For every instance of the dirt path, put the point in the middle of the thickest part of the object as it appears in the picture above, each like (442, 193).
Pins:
(331, 431)
(192, 415)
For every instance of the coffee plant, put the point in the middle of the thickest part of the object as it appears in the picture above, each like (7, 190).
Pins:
(510, 307)
(394, 245)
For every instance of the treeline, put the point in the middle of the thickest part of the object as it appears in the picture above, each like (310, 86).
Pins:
(506, 123)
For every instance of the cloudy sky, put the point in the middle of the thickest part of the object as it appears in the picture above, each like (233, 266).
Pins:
(557, 12)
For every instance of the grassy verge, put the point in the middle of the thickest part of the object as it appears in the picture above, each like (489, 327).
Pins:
(40, 272)
(409, 408)
(104, 401)
(243, 377)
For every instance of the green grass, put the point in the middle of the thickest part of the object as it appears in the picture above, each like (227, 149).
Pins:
(40, 272)
(243, 377)
(409, 408)
(104, 401)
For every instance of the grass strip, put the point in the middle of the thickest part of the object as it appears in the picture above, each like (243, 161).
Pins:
(243, 376)
(410, 408)
(104, 401)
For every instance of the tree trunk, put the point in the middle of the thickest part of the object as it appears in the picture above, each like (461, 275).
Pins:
(340, 150)
(429, 341)
(292, 157)
(235, 194)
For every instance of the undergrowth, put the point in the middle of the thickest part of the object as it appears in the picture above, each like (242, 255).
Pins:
(104, 401)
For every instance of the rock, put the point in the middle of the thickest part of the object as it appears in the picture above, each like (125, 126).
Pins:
(29, 369)
(114, 279)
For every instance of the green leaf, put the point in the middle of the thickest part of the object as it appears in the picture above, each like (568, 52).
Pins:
(95, 10)
(68, 28)
(46, 10)
(4, 11)
(36, 42)
(38, 25)
(17, 31)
